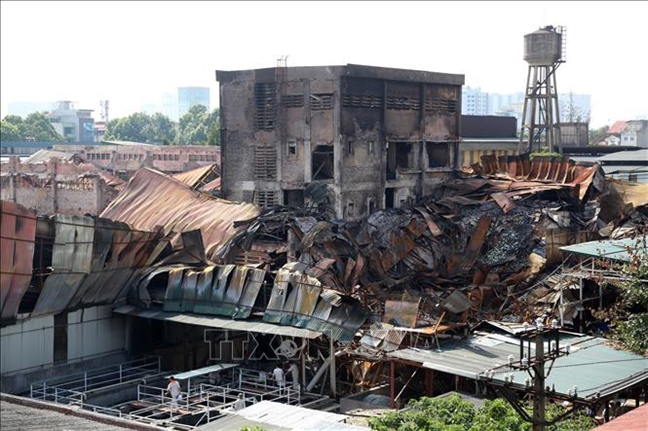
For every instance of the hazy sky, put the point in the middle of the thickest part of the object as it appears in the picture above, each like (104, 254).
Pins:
(132, 52)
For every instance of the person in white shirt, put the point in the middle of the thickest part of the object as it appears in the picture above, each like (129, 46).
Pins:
(173, 389)
(294, 374)
(279, 377)
(240, 403)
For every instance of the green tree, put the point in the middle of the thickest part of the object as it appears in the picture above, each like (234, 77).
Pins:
(199, 127)
(632, 318)
(9, 131)
(36, 127)
(454, 414)
(162, 129)
(598, 135)
(140, 127)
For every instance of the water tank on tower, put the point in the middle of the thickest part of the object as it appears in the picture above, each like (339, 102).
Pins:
(544, 50)
(543, 47)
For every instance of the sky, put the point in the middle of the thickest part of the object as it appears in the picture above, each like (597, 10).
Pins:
(130, 53)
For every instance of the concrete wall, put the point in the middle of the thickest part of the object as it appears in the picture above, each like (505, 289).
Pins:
(27, 347)
(76, 196)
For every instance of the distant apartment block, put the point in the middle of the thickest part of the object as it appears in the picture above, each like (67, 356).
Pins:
(191, 96)
(474, 101)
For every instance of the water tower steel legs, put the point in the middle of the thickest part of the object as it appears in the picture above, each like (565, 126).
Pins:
(540, 112)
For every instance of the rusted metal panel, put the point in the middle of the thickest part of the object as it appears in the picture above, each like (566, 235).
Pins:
(174, 290)
(299, 300)
(401, 313)
(153, 199)
(71, 263)
(383, 337)
(189, 282)
(434, 228)
(456, 302)
(503, 201)
(252, 288)
(196, 178)
(18, 230)
(204, 289)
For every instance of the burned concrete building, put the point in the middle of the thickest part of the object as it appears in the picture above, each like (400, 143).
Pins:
(363, 137)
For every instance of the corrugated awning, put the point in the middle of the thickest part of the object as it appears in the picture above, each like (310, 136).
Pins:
(216, 322)
(610, 249)
(202, 371)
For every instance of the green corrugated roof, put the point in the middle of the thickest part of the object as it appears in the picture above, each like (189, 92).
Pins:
(592, 366)
(609, 249)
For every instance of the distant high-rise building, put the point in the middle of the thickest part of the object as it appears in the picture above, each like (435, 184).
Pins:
(191, 96)
(474, 101)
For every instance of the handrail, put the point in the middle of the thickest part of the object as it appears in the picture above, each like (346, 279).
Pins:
(97, 378)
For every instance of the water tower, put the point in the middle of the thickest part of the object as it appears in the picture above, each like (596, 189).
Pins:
(544, 50)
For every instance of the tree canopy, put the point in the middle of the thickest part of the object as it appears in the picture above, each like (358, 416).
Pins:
(455, 414)
(196, 127)
(35, 127)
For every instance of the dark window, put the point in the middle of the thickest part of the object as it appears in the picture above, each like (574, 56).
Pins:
(441, 106)
(322, 165)
(437, 153)
(265, 198)
(265, 101)
(265, 162)
(292, 148)
(321, 102)
(361, 101)
(350, 145)
(292, 101)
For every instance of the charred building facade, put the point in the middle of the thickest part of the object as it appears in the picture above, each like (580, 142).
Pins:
(364, 137)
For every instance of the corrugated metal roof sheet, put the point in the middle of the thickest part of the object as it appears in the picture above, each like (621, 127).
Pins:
(195, 177)
(600, 368)
(299, 300)
(293, 417)
(18, 231)
(634, 420)
(94, 261)
(217, 322)
(612, 249)
(42, 156)
(232, 292)
(153, 199)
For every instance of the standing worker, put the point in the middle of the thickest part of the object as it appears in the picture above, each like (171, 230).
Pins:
(294, 374)
(279, 377)
(173, 389)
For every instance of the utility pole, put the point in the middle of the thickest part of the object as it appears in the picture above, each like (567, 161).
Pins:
(535, 366)
(539, 398)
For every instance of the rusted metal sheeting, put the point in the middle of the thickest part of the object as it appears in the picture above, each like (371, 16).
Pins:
(401, 313)
(131, 254)
(18, 230)
(153, 199)
(545, 169)
(195, 178)
(383, 337)
(228, 290)
(83, 275)
(71, 263)
(299, 300)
